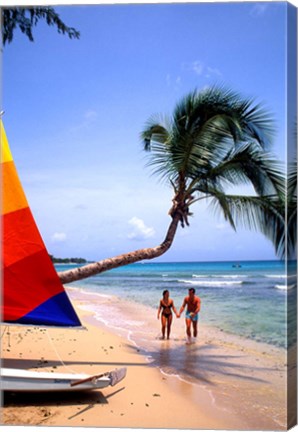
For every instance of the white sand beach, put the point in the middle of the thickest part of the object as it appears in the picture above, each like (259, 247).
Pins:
(236, 384)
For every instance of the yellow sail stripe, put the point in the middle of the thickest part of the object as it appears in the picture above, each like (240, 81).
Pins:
(13, 196)
(6, 155)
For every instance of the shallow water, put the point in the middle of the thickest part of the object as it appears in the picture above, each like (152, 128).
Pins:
(249, 299)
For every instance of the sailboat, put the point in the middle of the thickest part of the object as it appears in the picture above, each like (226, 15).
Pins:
(32, 291)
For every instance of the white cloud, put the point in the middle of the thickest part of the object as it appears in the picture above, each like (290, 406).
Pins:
(221, 226)
(197, 67)
(140, 230)
(212, 72)
(173, 81)
(200, 69)
(80, 207)
(258, 9)
(90, 115)
(58, 237)
(88, 118)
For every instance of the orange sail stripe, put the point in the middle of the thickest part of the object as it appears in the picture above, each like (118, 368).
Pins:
(12, 192)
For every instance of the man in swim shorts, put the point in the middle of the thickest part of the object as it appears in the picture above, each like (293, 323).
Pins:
(193, 303)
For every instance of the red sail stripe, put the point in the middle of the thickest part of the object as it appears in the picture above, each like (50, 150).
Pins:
(20, 235)
(33, 282)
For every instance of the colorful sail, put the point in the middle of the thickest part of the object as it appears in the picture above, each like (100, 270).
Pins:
(32, 291)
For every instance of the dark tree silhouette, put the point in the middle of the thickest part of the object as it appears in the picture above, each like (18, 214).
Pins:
(27, 18)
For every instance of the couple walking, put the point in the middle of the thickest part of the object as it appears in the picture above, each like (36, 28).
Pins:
(166, 305)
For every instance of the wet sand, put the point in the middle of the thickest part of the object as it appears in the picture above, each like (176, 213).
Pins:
(223, 382)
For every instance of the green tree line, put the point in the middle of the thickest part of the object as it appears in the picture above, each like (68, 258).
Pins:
(68, 260)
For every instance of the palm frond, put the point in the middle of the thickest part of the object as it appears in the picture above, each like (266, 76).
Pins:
(258, 124)
(292, 178)
(205, 126)
(259, 214)
(222, 204)
(292, 208)
(250, 165)
(157, 129)
(215, 139)
(253, 121)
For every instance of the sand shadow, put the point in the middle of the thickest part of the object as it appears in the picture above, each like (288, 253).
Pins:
(56, 398)
(201, 363)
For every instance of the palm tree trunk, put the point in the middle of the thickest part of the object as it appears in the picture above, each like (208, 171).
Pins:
(86, 271)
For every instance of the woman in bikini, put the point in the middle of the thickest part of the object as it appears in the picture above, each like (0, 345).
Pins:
(165, 308)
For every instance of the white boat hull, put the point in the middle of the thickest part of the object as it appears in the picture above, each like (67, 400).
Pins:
(19, 380)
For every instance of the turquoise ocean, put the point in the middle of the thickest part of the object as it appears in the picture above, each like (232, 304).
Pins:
(251, 299)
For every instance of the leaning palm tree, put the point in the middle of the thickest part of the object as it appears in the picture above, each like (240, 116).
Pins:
(214, 140)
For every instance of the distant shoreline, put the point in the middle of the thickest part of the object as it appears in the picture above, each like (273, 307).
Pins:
(155, 261)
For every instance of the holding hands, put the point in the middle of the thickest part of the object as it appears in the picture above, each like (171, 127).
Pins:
(166, 309)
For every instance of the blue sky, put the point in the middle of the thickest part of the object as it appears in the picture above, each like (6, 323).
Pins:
(74, 110)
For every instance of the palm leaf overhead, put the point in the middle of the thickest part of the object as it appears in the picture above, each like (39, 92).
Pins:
(205, 126)
(251, 165)
(214, 140)
(264, 214)
(217, 140)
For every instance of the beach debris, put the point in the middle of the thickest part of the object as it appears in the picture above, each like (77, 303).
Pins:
(45, 412)
(156, 395)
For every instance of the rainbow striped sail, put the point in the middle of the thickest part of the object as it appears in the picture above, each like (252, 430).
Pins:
(32, 291)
